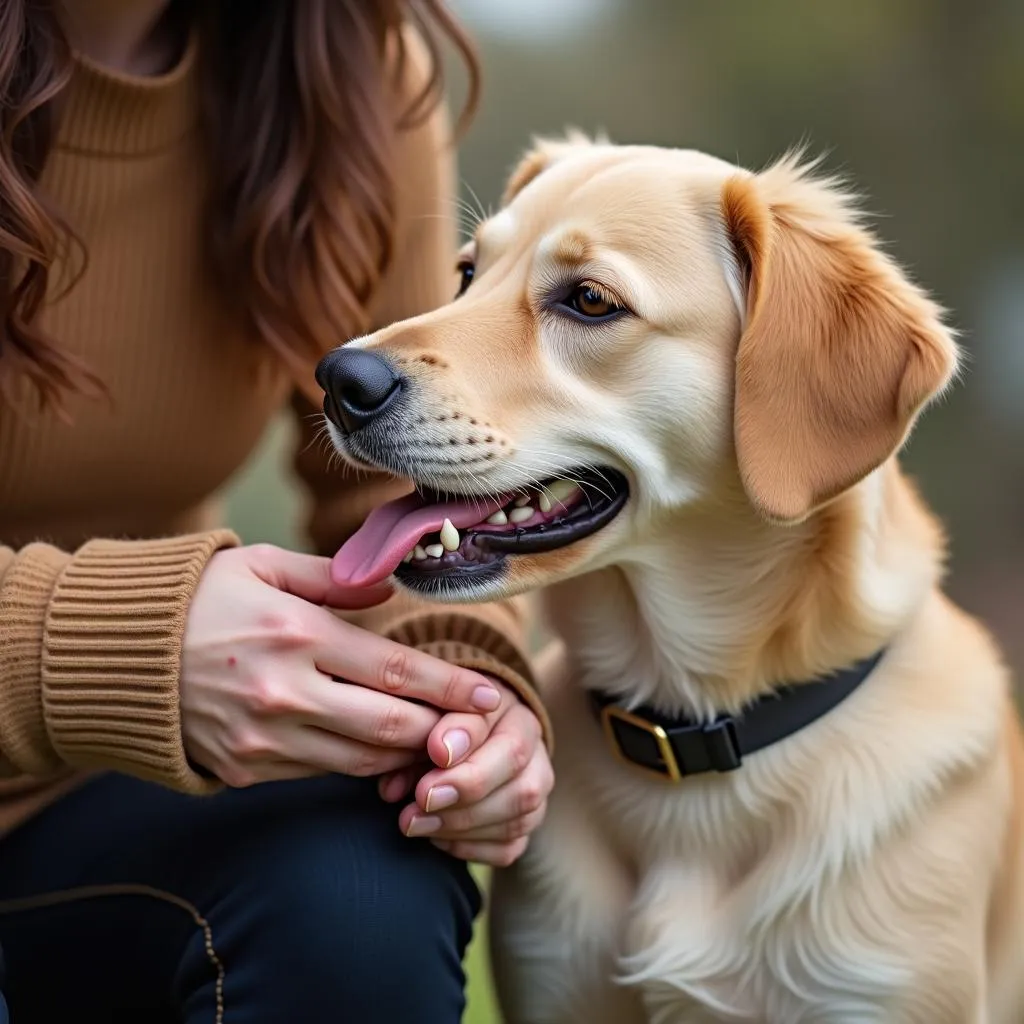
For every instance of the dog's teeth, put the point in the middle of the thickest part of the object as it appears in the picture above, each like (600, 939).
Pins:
(521, 502)
(409, 556)
(498, 518)
(434, 550)
(544, 502)
(521, 514)
(559, 490)
(418, 553)
(450, 538)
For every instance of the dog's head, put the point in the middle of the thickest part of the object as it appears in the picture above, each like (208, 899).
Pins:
(637, 332)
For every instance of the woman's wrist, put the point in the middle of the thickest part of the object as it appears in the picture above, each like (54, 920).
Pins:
(112, 655)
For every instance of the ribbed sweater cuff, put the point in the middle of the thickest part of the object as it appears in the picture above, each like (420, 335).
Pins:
(471, 643)
(24, 600)
(112, 656)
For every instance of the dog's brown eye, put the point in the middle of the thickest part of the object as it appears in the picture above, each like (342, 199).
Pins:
(466, 271)
(592, 303)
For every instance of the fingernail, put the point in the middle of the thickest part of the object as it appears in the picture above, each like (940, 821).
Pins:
(423, 825)
(486, 698)
(456, 743)
(440, 797)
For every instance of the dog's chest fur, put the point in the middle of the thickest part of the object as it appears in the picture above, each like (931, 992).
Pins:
(779, 893)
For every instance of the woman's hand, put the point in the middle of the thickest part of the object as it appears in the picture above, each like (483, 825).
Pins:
(258, 701)
(490, 789)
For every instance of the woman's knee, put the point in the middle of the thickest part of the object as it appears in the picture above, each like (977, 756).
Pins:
(344, 911)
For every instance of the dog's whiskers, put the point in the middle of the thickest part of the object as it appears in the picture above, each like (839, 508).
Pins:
(482, 213)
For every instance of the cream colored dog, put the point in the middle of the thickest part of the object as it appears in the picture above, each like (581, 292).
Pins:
(671, 393)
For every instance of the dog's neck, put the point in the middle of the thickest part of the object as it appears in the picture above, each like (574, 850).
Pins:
(721, 607)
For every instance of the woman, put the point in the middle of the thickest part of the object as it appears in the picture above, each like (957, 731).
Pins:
(196, 201)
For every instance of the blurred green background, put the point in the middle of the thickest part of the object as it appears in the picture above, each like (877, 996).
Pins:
(921, 102)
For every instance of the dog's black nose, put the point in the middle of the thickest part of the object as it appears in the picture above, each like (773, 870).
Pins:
(359, 385)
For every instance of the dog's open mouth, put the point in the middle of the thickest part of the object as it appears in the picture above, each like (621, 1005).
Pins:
(424, 538)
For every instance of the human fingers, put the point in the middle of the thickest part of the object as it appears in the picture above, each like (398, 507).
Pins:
(308, 577)
(251, 755)
(397, 785)
(505, 754)
(348, 652)
(368, 716)
(493, 854)
(511, 811)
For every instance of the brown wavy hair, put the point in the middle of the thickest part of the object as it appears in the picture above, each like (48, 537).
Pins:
(301, 210)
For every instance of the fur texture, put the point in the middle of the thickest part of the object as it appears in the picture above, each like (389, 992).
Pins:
(771, 365)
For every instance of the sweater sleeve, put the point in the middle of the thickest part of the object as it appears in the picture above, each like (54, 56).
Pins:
(90, 655)
(490, 638)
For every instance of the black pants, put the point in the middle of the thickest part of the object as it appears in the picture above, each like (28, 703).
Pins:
(291, 903)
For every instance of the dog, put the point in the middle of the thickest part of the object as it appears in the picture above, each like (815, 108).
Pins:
(670, 394)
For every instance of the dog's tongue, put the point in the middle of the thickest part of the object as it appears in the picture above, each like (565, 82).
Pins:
(390, 532)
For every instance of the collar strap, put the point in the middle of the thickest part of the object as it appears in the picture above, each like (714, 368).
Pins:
(674, 747)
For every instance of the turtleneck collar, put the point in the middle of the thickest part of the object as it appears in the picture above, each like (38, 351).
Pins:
(112, 113)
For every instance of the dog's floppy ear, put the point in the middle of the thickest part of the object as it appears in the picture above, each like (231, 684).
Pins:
(839, 351)
(542, 154)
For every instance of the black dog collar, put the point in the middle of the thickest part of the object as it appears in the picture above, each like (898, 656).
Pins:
(672, 748)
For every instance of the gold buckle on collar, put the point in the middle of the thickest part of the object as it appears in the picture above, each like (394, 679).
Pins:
(672, 772)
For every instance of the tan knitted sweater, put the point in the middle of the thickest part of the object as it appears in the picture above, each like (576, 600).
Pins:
(106, 525)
